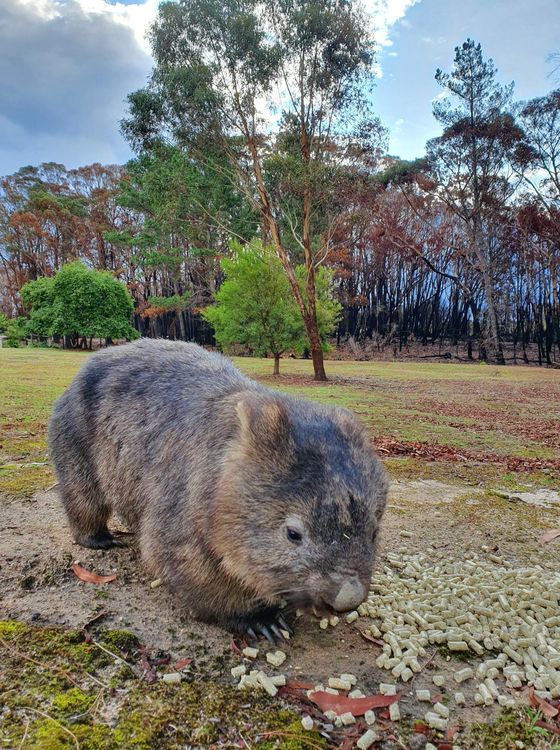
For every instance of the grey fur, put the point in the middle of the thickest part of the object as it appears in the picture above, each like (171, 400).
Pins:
(209, 468)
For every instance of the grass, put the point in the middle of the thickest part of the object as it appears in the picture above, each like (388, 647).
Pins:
(491, 414)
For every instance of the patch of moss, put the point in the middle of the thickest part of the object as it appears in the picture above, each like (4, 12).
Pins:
(120, 640)
(55, 680)
(510, 727)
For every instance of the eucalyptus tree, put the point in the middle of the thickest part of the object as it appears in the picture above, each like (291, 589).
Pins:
(234, 79)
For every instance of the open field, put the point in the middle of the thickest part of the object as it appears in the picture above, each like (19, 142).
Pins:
(476, 424)
(474, 452)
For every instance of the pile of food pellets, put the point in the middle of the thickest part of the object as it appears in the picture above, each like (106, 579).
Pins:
(506, 618)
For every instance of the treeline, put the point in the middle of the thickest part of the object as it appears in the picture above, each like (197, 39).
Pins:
(461, 246)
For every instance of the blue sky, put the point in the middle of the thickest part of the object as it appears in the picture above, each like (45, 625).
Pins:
(66, 67)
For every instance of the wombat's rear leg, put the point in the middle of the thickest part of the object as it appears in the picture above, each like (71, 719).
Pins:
(88, 514)
(84, 502)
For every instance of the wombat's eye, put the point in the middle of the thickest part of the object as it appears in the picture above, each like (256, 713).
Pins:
(293, 535)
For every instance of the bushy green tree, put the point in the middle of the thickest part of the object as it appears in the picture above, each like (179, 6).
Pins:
(255, 306)
(3, 322)
(79, 303)
(16, 330)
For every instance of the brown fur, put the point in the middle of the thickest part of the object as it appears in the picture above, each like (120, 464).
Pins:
(218, 476)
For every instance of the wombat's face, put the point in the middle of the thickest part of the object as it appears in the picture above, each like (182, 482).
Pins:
(305, 497)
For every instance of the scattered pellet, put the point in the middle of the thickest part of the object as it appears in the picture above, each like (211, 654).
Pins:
(367, 739)
(307, 723)
(276, 658)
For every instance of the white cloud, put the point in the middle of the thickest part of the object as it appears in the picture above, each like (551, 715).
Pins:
(385, 14)
(136, 16)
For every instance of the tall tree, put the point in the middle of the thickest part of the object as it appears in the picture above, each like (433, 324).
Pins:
(469, 161)
(230, 75)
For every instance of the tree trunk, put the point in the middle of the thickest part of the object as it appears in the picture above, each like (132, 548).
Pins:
(276, 364)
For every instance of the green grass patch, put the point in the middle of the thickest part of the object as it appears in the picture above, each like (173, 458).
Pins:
(476, 408)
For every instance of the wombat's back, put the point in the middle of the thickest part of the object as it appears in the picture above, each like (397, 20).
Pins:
(131, 420)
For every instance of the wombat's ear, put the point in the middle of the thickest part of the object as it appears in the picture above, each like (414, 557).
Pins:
(264, 423)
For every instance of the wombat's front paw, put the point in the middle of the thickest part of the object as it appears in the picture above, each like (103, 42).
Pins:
(101, 540)
(264, 623)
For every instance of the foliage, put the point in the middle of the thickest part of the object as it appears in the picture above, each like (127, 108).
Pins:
(220, 68)
(80, 302)
(15, 330)
(255, 307)
(3, 322)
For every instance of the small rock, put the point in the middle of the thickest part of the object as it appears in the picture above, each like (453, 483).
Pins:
(418, 742)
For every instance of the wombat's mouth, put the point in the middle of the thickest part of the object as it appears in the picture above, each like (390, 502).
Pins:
(310, 605)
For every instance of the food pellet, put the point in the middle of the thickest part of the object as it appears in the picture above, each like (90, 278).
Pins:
(307, 723)
(386, 688)
(369, 716)
(463, 674)
(347, 719)
(339, 684)
(367, 740)
(276, 658)
(238, 671)
(394, 712)
(265, 681)
(250, 652)
(423, 695)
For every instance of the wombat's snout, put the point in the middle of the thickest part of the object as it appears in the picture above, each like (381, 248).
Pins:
(350, 595)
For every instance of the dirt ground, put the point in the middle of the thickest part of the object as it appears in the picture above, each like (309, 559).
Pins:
(38, 587)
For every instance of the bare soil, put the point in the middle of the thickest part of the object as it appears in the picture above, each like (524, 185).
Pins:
(37, 585)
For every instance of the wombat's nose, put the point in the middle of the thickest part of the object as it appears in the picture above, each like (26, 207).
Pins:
(350, 595)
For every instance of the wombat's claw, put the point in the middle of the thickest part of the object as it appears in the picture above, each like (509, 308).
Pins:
(267, 634)
(101, 540)
(284, 625)
(278, 634)
(252, 635)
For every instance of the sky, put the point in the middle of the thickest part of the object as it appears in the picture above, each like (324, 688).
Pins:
(66, 67)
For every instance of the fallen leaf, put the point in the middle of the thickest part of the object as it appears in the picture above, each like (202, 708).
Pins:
(356, 706)
(546, 708)
(295, 685)
(445, 746)
(182, 663)
(548, 536)
(421, 727)
(451, 731)
(89, 577)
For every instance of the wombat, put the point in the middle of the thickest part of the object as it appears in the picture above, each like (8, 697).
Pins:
(242, 498)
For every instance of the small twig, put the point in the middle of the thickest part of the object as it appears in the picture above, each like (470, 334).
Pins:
(38, 663)
(64, 729)
(115, 656)
(24, 734)
(291, 735)
(244, 741)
